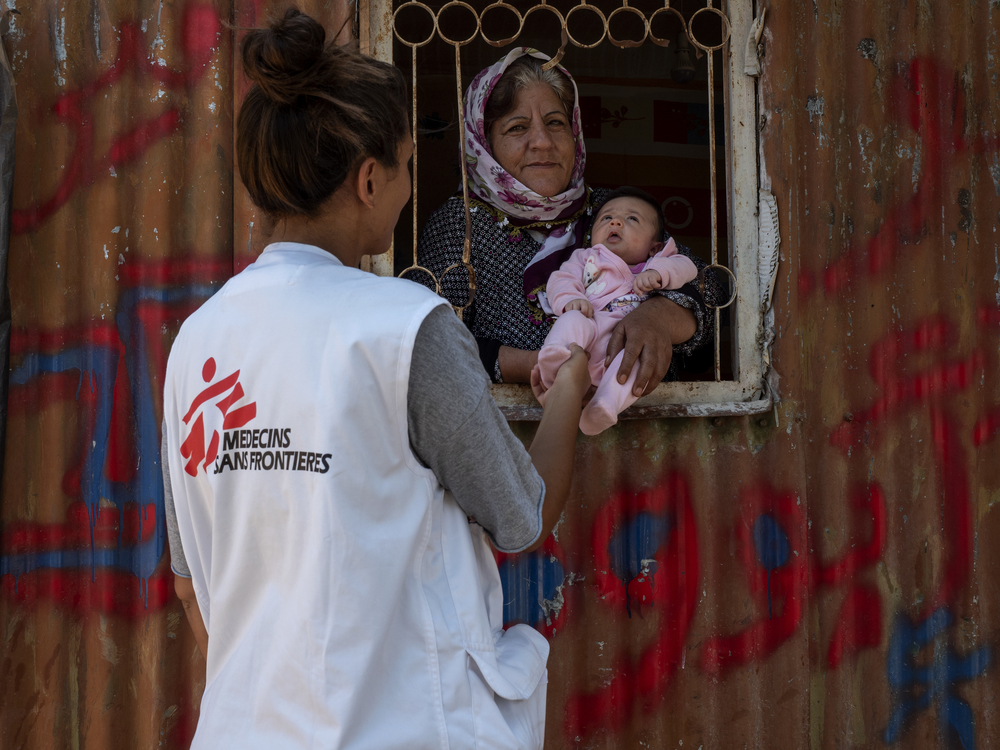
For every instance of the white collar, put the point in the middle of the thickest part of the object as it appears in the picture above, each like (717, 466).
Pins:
(298, 247)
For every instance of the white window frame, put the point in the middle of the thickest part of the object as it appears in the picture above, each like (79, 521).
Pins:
(748, 392)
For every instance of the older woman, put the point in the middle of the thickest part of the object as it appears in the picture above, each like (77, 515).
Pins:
(530, 209)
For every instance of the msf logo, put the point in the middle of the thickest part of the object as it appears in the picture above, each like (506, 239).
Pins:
(228, 391)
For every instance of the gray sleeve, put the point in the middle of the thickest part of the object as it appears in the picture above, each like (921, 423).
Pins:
(457, 431)
(178, 563)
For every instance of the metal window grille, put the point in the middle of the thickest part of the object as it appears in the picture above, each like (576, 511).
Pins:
(412, 25)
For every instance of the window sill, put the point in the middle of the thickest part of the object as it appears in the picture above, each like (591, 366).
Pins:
(517, 403)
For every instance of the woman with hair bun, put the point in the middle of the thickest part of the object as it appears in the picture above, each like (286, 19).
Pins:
(327, 436)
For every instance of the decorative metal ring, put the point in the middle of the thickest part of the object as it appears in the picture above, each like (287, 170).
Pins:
(472, 281)
(554, 11)
(725, 25)
(625, 43)
(415, 267)
(482, 24)
(456, 42)
(701, 285)
(666, 42)
(395, 26)
(594, 9)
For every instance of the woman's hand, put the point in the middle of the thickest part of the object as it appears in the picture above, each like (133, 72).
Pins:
(575, 377)
(574, 373)
(648, 335)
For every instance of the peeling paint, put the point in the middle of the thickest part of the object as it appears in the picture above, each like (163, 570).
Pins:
(814, 106)
(59, 44)
(869, 50)
(109, 651)
(95, 14)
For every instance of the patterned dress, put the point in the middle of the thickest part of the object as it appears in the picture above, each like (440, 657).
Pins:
(500, 312)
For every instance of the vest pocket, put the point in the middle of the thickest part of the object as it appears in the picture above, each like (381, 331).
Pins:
(515, 672)
(516, 664)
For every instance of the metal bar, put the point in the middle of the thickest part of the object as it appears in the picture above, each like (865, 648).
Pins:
(380, 47)
(714, 197)
(718, 346)
(413, 132)
(467, 248)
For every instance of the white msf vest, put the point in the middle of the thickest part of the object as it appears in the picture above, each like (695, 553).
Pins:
(349, 603)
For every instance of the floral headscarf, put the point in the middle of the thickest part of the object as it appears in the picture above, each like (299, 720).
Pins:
(490, 182)
(554, 217)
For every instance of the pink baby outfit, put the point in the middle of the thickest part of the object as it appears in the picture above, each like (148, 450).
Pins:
(606, 281)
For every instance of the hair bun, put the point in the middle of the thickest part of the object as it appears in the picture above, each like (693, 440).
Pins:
(279, 59)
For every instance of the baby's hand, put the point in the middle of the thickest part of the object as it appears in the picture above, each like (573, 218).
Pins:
(583, 305)
(646, 281)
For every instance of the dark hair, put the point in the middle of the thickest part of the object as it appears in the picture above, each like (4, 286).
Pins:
(627, 191)
(315, 110)
(522, 73)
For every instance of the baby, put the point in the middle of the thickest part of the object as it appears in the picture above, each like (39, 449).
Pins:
(599, 285)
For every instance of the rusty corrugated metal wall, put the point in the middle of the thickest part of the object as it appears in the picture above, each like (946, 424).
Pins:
(827, 576)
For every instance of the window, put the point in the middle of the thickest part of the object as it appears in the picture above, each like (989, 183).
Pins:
(662, 89)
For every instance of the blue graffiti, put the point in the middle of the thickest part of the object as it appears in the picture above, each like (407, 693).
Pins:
(915, 688)
(100, 364)
(634, 546)
(531, 588)
(772, 546)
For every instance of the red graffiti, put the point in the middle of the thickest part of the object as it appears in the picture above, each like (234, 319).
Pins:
(900, 391)
(180, 270)
(676, 589)
(988, 316)
(25, 340)
(88, 562)
(199, 34)
(81, 591)
(859, 624)
(27, 536)
(785, 585)
(930, 336)
(986, 427)
(869, 501)
(773, 543)
(929, 99)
